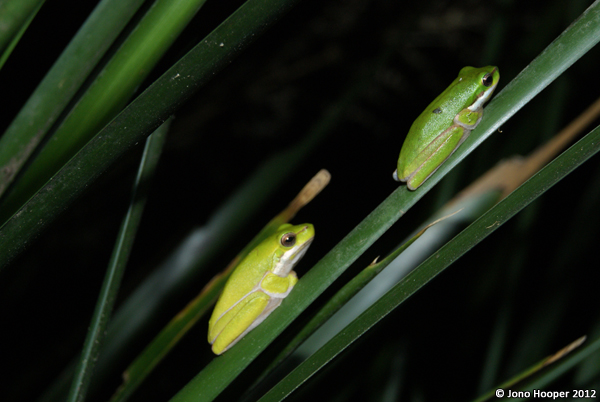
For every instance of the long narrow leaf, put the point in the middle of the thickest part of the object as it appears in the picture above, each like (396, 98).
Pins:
(138, 120)
(61, 83)
(107, 95)
(337, 301)
(6, 51)
(170, 335)
(450, 252)
(116, 266)
(560, 54)
(521, 380)
(556, 370)
(13, 16)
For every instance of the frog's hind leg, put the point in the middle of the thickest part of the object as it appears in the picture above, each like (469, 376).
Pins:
(251, 310)
(435, 154)
(243, 320)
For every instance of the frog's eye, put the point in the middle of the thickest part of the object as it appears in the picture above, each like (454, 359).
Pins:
(487, 80)
(288, 239)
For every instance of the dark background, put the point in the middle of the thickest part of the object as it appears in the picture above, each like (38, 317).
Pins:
(401, 55)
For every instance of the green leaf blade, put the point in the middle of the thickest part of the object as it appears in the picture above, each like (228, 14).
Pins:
(138, 120)
(429, 269)
(61, 83)
(117, 264)
(107, 95)
(226, 367)
(13, 16)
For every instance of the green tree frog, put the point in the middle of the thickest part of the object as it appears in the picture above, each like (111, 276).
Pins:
(258, 285)
(445, 124)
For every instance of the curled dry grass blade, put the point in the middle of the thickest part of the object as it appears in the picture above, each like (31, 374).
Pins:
(582, 35)
(450, 252)
(589, 350)
(61, 83)
(117, 264)
(518, 382)
(138, 120)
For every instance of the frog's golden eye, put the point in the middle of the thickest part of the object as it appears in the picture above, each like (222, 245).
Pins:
(288, 239)
(487, 80)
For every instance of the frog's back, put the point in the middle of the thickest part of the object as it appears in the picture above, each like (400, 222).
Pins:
(433, 121)
(243, 279)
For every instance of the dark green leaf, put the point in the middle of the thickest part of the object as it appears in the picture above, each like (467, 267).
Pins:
(450, 252)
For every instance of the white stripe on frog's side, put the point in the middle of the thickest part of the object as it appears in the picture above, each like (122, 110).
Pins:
(478, 104)
(272, 305)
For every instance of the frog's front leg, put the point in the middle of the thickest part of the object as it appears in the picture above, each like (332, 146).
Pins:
(278, 286)
(252, 310)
